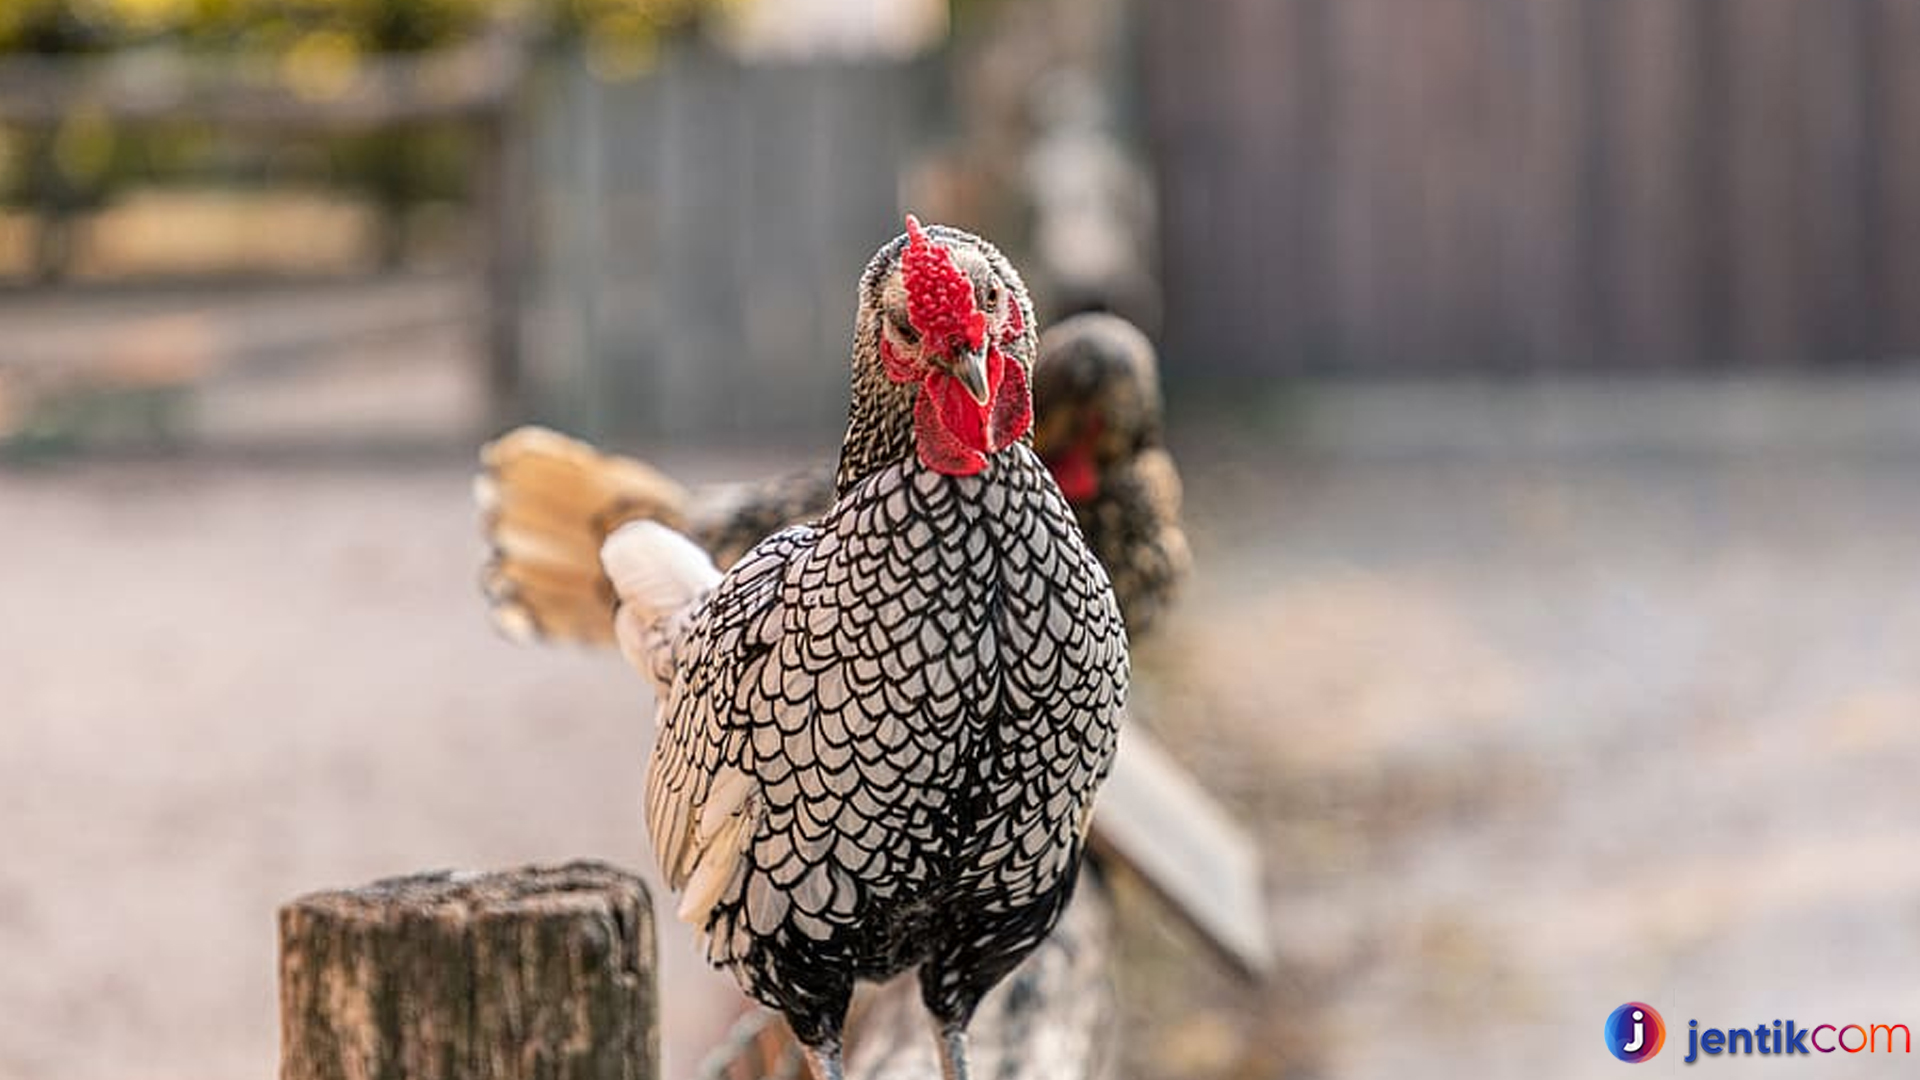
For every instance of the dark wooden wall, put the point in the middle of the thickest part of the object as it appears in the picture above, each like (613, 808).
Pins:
(701, 230)
(1407, 186)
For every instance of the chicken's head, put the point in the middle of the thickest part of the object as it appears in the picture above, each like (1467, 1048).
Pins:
(952, 320)
(1097, 389)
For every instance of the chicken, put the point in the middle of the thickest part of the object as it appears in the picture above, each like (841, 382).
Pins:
(549, 500)
(1096, 392)
(881, 733)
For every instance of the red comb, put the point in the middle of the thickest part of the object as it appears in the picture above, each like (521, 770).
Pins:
(939, 296)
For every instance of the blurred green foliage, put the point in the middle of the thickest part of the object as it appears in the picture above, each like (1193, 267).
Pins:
(315, 48)
(54, 27)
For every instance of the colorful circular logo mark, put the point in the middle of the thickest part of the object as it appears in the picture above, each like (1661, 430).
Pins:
(1635, 1032)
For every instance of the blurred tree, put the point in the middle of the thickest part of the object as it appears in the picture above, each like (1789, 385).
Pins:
(318, 48)
(55, 27)
(61, 27)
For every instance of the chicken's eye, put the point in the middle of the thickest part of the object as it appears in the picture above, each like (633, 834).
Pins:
(993, 296)
(906, 331)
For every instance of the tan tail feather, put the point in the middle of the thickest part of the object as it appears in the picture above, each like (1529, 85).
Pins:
(547, 503)
(570, 606)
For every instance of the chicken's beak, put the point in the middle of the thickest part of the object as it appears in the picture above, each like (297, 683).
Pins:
(970, 368)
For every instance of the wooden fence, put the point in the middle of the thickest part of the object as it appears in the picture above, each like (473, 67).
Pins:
(701, 231)
(1405, 186)
(474, 85)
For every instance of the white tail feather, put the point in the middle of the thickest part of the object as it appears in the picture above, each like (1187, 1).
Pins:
(654, 570)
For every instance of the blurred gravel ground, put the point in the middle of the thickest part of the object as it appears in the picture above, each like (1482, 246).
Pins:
(225, 686)
(1527, 736)
(1531, 738)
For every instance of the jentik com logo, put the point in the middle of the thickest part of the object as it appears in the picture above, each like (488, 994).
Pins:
(1635, 1032)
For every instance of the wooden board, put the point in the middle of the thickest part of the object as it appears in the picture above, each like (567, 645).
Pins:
(1157, 820)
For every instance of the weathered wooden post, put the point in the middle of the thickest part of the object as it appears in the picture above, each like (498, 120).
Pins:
(543, 972)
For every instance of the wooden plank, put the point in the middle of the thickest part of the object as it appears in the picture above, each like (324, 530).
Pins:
(1308, 161)
(777, 258)
(1248, 189)
(1278, 49)
(1831, 218)
(1256, 189)
(543, 972)
(1541, 280)
(501, 197)
(1895, 134)
(1188, 118)
(1457, 87)
(1646, 317)
(1360, 216)
(700, 365)
(1402, 159)
(1155, 819)
(1763, 147)
(1710, 178)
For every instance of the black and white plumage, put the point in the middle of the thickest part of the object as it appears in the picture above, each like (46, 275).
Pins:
(881, 733)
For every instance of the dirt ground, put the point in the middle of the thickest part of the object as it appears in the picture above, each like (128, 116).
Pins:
(1529, 729)
(1529, 739)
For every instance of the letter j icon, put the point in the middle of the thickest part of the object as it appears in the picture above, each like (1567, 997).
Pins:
(1635, 1032)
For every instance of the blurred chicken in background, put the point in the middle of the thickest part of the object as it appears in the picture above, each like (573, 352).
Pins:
(1097, 394)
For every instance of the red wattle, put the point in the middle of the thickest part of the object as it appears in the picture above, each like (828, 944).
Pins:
(1075, 474)
(954, 433)
(964, 417)
(939, 448)
(1011, 412)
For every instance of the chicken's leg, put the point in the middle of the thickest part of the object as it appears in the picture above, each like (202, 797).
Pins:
(824, 1061)
(953, 1052)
